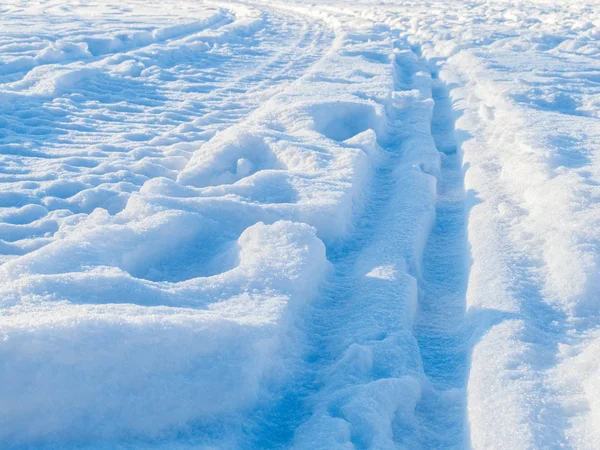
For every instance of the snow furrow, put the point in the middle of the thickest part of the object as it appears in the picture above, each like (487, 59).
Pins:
(364, 376)
(441, 329)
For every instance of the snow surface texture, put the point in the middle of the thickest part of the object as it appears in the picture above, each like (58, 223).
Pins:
(345, 225)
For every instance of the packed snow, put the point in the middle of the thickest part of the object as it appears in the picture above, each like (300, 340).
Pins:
(336, 225)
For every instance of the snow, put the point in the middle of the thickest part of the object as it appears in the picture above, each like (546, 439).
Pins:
(77, 356)
(278, 225)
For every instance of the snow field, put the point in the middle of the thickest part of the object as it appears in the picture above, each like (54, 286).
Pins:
(341, 225)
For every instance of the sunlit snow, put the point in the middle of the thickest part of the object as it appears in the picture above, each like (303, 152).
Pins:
(281, 224)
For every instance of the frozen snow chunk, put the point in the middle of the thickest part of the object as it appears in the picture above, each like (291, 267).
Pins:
(131, 67)
(367, 142)
(367, 416)
(265, 187)
(23, 215)
(268, 249)
(151, 168)
(103, 45)
(384, 272)
(167, 187)
(229, 157)
(62, 50)
(244, 167)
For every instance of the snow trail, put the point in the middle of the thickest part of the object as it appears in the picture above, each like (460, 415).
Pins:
(360, 333)
(441, 329)
(367, 308)
(336, 321)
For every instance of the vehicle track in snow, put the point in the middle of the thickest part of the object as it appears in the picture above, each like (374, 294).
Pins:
(440, 323)
(365, 337)
(305, 43)
(101, 134)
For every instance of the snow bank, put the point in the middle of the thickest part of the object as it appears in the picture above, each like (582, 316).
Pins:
(99, 371)
(541, 217)
(577, 379)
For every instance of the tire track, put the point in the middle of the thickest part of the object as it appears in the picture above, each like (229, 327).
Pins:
(100, 140)
(440, 323)
(371, 378)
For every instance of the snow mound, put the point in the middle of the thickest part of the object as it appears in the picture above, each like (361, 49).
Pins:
(151, 369)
